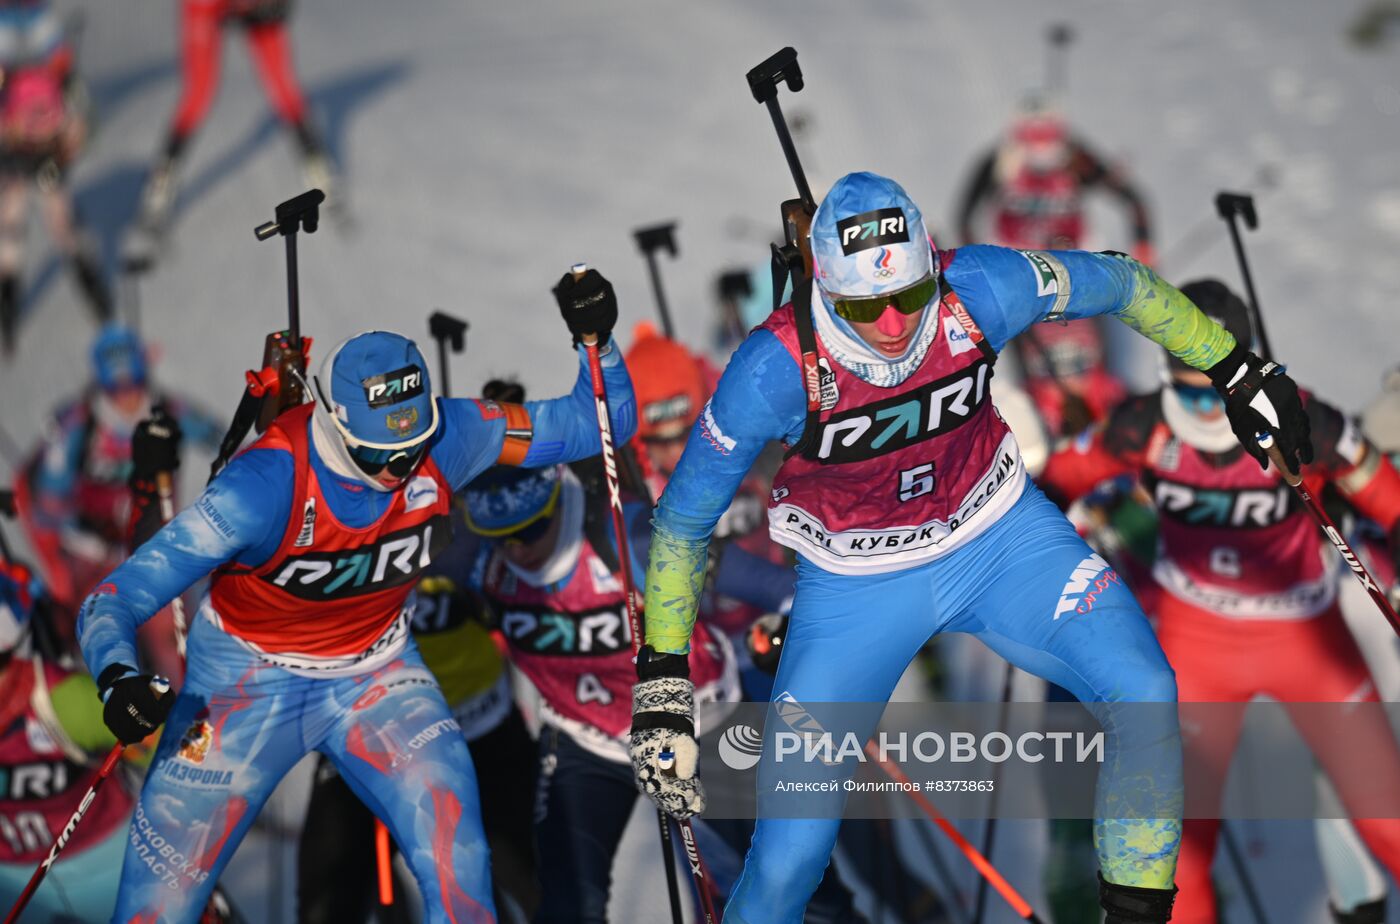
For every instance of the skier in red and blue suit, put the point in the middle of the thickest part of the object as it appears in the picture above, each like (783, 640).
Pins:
(911, 513)
(316, 536)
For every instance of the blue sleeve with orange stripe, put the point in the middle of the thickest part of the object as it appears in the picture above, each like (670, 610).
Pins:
(239, 517)
(565, 428)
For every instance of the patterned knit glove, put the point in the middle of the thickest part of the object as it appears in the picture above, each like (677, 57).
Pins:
(665, 756)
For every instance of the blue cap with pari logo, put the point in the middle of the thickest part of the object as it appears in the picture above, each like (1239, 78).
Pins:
(118, 358)
(375, 386)
(868, 238)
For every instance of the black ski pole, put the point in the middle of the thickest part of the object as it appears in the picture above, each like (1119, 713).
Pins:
(650, 240)
(1230, 206)
(448, 332)
(1059, 36)
(7, 509)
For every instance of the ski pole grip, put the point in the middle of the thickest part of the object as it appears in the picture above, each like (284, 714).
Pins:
(1270, 446)
(1228, 204)
(577, 271)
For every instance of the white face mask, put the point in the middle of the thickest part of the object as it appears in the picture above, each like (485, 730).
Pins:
(325, 439)
(569, 543)
(1214, 436)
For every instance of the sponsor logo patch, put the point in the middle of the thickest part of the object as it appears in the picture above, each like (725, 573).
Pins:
(919, 414)
(195, 743)
(1046, 282)
(391, 560)
(672, 408)
(393, 387)
(959, 340)
(421, 492)
(490, 410)
(307, 536)
(829, 392)
(878, 228)
(1078, 596)
(714, 434)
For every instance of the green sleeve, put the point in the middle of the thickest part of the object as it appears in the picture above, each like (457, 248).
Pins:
(79, 711)
(675, 579)
(1159, 312)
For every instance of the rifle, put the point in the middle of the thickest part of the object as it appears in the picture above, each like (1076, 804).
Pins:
(280, 382)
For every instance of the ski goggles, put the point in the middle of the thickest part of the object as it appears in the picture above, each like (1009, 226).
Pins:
(1199, 399)
(398, 462)
(907, 300)
(530, 532)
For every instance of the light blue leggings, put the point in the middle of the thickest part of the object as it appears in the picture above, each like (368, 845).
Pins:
(240, 724)
(850, 639)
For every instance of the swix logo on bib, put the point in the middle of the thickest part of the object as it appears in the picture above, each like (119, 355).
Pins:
(898, 476)
(393, 387)
(932, 409)
(393, 560)
(872, 229)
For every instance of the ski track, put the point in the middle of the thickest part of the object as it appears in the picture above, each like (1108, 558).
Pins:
(487, 147)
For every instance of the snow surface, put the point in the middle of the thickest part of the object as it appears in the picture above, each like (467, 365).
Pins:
(487, 146)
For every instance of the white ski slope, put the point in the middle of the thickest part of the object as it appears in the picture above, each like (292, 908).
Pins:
(487, 146)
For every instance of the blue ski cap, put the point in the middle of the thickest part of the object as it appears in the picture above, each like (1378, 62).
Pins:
(507, 498)
(118, 358)
(377, 390)
(868, 238)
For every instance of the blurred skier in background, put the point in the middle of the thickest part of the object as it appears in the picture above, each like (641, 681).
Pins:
(43, 125)
(1248, 586)
(1031, 187)
(73, 494)
(202, 24)
(52, 741)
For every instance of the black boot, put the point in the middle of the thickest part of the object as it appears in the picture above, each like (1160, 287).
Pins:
(1368, 913)
(94, 286)
(9, 313)
(1135, 905)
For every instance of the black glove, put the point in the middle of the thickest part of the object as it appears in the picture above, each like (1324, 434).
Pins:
(588, 305)
(155, 446)
(1261, 398)
(136, 703)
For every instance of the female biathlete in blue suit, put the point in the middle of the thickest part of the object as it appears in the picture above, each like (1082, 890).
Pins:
(316, 536)
(911, 514)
